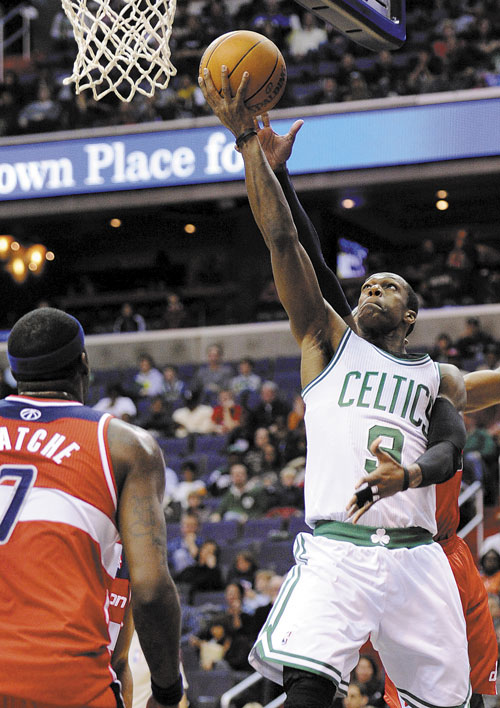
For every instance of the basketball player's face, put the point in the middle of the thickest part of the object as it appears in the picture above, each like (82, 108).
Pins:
(382, 303)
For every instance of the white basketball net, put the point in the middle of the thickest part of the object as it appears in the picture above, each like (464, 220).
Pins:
(123, 46)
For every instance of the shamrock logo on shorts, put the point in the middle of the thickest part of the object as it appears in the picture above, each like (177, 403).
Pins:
(380, 537)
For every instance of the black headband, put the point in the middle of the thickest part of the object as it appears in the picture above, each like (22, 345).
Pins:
(53, 361)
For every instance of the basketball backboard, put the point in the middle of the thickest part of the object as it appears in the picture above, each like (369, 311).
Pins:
(374, 24)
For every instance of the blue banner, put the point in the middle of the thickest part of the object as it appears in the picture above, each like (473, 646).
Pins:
(326, 143)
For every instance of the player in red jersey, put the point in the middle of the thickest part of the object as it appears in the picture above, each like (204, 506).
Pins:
(72, 482)
(483, 389)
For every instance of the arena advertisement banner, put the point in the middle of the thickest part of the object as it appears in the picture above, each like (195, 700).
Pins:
(365, 139)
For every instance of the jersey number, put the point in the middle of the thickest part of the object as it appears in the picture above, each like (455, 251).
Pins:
(393, 444)
(23, 477)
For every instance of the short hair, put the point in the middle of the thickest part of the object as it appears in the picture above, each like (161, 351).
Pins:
(36, 339)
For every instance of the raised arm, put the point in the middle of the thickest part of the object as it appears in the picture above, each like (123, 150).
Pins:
(294, 275)
(139, 472)
(483, 389)
(277, 149)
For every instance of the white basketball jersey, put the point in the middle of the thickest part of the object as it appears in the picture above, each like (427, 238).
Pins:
(362, 394)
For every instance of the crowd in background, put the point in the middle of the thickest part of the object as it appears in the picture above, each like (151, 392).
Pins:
(451, 45)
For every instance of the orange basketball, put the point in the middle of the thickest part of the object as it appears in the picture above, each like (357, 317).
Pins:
(241, 51)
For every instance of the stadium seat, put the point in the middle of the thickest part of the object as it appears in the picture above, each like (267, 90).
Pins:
(277, 555)
(208, 597)
(259, 529)
(220, 531)
(207, 687)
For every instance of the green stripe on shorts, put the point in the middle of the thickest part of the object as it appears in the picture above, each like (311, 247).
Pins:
(372, 536)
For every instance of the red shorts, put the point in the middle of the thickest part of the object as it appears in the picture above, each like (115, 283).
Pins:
(483, 649)
(111, 699)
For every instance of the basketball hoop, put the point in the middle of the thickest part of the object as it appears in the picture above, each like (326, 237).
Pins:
(123, 46)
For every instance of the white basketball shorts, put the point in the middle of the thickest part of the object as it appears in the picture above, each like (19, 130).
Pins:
(339, 594)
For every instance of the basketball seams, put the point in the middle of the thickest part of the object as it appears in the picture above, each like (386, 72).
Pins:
(245, 50)
(250, 49)
(248, 98)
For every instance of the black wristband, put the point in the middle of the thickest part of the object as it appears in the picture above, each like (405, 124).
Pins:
(244, 136)
(168, 696)
(406, 479)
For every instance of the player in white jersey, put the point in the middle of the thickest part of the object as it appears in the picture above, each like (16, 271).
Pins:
(386, 578)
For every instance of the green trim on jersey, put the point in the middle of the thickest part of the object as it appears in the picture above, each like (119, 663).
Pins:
(415, 702)
(329, 367)
(372, 536)
(417, 360)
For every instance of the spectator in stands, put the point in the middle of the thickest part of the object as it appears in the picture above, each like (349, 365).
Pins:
(441, 351)
(243, 570)
(246, 380)
(305, 41)
(42, 114)
(472, 344)
(368, 675)
(254, 456)
(327, 93)
(270, 408)
(175, 312)
(346, 66)
(425, 72)
(190, 100)
(461, 263)
(286, 496)
(173, 387)
(63, 39)
(205, 574)
(215, 374)
(259, 595)
(240, 626)
(148, 380)
(271, 590)
(194, 417)
(357, 696)
(183, 550)
(241, 501)
(190, 482)
(357, 88)
(128, 320)
(385, 77)
(272, 14)
(489, 564)
(196, 504)
(212, 643)
(116, 403)
(157, 419)
(226, 414)
(216, 19)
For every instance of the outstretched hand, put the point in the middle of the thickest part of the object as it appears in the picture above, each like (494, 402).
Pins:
(387, 479)
(230, 110)
(277, 148)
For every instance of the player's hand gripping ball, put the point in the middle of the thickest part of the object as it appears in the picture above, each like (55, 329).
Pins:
(243, 50)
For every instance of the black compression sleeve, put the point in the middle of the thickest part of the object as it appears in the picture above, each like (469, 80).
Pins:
(328, 281)
(439, 463)
(446, 441)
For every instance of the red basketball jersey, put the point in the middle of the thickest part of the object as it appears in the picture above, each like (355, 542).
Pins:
(58, 550)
